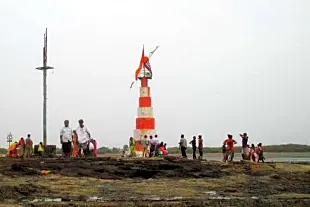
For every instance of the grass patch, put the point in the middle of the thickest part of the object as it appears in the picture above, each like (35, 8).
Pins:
(291, 196)
(63, 185)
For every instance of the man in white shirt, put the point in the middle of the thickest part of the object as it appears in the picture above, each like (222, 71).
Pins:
(183, 146)
(66, 139)
(83, 136)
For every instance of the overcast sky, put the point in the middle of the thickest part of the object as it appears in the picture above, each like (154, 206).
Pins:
(222, 67)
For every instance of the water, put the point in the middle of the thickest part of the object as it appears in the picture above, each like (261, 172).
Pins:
(270, 157)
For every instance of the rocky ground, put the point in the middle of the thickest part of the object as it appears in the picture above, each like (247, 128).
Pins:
(166, 181)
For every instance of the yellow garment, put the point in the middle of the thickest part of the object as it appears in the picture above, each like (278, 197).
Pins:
(40, 148)
(132, 147)
(12, 146)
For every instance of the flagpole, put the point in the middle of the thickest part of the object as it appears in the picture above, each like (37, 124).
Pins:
(44, 69)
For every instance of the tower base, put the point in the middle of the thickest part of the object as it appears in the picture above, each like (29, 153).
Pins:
(138, 136)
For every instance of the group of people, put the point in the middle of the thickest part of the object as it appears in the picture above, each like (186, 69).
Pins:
(254, 154)
(193, 142)
(77, 143)
(151, 146)
(24, 148)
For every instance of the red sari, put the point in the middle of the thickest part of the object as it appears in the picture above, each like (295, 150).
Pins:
(75, 149)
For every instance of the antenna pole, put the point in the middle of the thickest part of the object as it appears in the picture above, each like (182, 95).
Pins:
(44, 69)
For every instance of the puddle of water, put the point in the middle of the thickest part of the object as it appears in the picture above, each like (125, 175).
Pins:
(254, 197)
(220, 198)
(173, 199)
(46, 200)
(95, 199)
(211, 192)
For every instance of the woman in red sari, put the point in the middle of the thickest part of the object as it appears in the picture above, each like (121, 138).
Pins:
(75, 149)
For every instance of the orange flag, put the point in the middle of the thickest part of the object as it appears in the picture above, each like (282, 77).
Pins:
(140, 65)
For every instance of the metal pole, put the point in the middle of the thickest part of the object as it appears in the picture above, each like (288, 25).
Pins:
(44, 107)
(44, 69)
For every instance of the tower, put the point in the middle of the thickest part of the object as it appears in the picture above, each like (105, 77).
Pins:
(145, 121)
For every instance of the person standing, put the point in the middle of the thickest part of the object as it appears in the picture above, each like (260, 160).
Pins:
(194, 146)
(245, 139)
(200, 147)
(83, 137)
(230, 148)
(95, 147)
(156, 144)
(75, 143)
(22, 146)
(40, 149)
(183, 146)
(28, 147)
(145, 143)
(132, 147)
(66, 139)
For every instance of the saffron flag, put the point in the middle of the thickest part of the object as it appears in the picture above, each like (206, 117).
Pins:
(140, 65)
(144, 63)
(147, 64)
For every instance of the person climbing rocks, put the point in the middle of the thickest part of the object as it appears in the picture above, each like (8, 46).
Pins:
(183, 146)
(200, 147)
(84, 136)
(132, 147)
(230, 149)
(66, 135)
(194, 146)
(40, 149)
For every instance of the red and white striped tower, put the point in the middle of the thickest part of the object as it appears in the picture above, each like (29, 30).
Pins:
(145, 122)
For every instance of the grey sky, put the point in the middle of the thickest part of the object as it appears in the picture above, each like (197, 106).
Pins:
(222, 66)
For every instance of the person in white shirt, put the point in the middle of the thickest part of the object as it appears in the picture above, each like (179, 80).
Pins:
(66, 139)
(83, 137)
(183, 146)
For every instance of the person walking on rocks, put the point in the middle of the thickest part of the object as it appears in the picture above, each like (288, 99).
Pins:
(183, 146)
(83, 137)
(66, 135)
(194, 146)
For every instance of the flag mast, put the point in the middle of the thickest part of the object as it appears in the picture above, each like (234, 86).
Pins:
(44, 69)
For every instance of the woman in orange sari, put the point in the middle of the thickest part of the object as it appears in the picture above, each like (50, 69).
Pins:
(75, 149)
